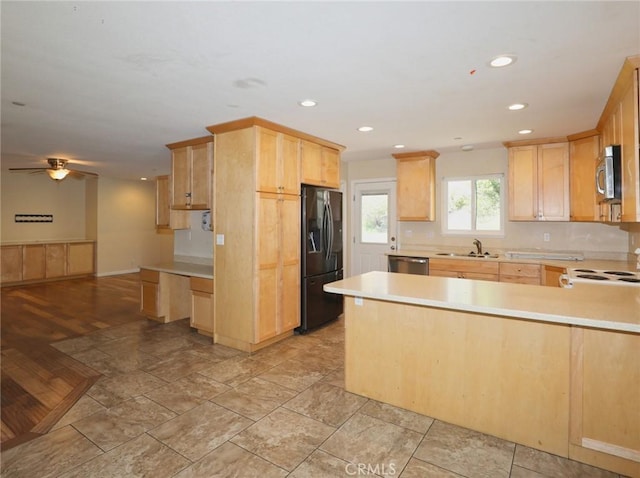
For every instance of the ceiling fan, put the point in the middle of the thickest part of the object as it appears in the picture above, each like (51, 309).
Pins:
(58, 170)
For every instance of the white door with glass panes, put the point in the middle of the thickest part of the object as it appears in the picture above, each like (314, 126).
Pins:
(374, 225)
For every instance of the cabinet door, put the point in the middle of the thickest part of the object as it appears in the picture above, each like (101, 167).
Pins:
(289, 311)
(289, 165)
(583, 158)
(553, 182)
(180, 177)
(629, 137)
(33, 261)
(200, 175)
(604, 419)
(331, 167)
(81, 258)
(523, 173)
(11, 263)
(267, 263)
(202, 304)
(150, 293)
(267, 161)
(415, 189)
(311, 163)
(163, 211)
(55, 260)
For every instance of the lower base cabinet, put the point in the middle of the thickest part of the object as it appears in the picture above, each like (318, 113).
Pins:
(164, 297)
(202, 305)
(40, 262)
(605, 417)
(520, 273)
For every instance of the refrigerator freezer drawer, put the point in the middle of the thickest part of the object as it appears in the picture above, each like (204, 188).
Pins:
(318, 306)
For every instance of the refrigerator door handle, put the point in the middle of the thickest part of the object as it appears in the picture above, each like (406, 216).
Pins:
(331, 235)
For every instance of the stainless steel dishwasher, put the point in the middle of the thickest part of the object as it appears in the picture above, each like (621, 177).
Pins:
(409, 265)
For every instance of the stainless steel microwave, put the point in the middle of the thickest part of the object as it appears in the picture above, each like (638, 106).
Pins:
(609, 175)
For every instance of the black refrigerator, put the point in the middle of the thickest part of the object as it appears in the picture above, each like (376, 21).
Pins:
(321, 256)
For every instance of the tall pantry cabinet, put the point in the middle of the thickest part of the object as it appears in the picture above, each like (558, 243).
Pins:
(257, 234)
(619, 124)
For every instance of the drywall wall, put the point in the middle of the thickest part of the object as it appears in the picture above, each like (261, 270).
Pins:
(38, 194)
(127, 237)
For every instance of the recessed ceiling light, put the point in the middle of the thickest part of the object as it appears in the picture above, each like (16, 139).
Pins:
(467, 147)
(365, 129)
(502, 60)
(398, 146)
(525, 131)
(143, 179)
(517, 106)
(307, 103)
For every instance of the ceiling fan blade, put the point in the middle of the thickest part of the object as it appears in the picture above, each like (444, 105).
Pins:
(28, 169)
(81, 173)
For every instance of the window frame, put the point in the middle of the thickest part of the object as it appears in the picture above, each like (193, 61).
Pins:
(444, 188)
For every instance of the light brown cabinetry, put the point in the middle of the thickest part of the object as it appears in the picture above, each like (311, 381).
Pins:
(150, 293)
(465, 269)
(605, 419)
(257, 216)
(320, 165)
(584, 150)
(552, 275)
(167, 218)
(520, 273)
(278, 162)
(415, 173)
(25, 263)
(11, 263)
(56, 260)
(164, 297)
(33, 262)
(80, 258)
(202, 305)
(191, 173)
(539, 180)
(278, 259)
(619, 124)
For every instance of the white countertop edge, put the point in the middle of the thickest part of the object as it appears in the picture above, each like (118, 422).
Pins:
(182, 268)
(516, 314)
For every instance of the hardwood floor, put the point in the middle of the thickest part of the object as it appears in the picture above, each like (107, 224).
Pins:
(40, 383)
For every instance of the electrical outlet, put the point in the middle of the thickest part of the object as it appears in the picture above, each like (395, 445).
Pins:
(546, 236)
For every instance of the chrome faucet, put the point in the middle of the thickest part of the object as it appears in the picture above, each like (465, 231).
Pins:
(478, 245)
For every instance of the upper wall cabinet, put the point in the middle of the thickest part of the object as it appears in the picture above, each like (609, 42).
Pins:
(191, 173)
(167, 218)
(320, 165)
(415, 173)
(584, 150)
(277, 162)
(539, 180)
(619, 125)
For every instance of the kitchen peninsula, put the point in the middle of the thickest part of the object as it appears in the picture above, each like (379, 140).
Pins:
(550, 368)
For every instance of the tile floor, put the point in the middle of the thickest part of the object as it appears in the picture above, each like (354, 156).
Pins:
(170, 404)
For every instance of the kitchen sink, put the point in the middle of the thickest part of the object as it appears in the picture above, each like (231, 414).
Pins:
(470, 254)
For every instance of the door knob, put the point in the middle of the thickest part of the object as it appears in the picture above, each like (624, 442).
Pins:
(393, 238)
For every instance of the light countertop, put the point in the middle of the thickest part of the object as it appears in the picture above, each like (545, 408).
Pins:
(588, 305)
(183, 268)
(602, 264)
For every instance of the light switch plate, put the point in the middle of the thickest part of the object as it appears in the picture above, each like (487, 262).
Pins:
(220, 239)
(359, 301)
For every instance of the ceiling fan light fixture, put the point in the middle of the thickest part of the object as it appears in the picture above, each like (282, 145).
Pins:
(58, 174)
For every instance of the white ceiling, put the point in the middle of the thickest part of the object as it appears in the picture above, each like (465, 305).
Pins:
(108, 84)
